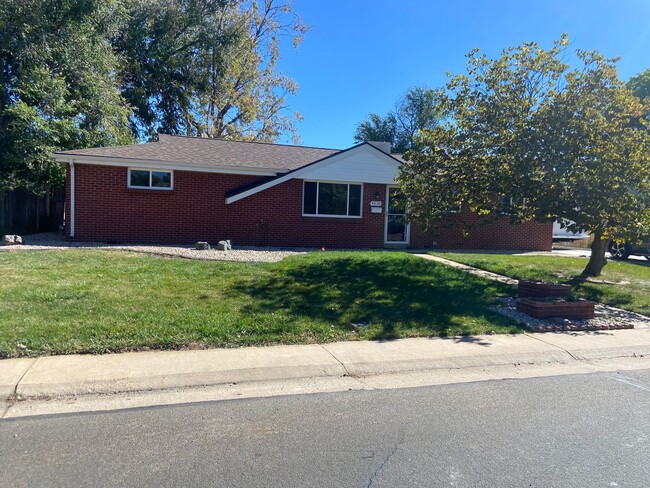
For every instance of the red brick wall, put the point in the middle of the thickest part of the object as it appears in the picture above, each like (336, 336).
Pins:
(486, 234)
(106, 210)
(274, 217)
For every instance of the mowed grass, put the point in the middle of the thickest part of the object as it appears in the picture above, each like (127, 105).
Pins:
(61, 302)
(622, 284)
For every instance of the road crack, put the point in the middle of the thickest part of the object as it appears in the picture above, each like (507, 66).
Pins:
(383, 463)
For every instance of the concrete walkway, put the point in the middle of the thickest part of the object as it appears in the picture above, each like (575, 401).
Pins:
(475, 271)
(78, 375)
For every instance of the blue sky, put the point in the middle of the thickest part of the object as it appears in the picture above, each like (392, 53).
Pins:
(360, 56)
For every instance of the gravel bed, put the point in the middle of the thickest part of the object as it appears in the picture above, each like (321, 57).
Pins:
(54, 241)
(607, 318)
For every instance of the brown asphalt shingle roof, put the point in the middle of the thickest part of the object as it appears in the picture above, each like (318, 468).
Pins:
(195, 150)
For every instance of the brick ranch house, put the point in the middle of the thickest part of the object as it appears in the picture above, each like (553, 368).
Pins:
(183, 189)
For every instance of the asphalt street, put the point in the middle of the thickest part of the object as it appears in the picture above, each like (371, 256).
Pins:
(589, 430)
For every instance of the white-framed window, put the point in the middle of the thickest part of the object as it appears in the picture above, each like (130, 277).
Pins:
(151, 179)
(331, 199)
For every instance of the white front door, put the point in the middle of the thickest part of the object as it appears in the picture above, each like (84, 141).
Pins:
(396, 229)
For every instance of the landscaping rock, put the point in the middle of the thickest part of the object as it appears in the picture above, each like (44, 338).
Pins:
(202, 246)
(224, 246)
(11, 240)
(54, 241)
(606, 318)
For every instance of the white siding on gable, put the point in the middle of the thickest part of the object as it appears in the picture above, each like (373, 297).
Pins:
(364, 164)
(361, 164)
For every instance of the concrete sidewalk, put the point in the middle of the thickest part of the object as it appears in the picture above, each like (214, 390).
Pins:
(78, 375)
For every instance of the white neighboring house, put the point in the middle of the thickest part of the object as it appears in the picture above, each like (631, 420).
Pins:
(561, 233)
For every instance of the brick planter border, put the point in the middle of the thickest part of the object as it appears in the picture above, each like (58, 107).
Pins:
(543, 309)
(527, 288)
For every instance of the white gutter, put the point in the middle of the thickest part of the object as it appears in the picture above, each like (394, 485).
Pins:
(71, 198)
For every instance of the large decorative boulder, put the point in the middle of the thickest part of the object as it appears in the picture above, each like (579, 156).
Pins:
(202, 246)
(224, 246)
(11, 240)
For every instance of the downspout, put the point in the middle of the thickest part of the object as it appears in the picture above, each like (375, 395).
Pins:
(71, 198)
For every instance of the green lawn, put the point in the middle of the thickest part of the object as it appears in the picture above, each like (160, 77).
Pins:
(61, 302)
(624, 284)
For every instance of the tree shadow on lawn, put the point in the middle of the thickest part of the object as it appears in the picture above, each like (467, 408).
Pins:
(396, 296)
(612, 294)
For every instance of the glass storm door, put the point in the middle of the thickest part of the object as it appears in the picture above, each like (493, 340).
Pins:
(397, 229)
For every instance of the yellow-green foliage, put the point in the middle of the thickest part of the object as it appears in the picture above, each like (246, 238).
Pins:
(559, 141)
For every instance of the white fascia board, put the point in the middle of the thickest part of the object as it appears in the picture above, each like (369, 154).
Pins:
(169, 165)
(305, 170)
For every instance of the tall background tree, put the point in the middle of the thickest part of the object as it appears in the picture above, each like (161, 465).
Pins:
(209, 67)
(419, 109)
(58, 86)
(83, 73)
(556, 141)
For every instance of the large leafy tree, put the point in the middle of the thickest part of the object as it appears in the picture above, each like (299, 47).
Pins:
(209, 67)
(640, 84)
(83, 73)
(58, 86)
(418, 109)
(378, 128)
(556, 141)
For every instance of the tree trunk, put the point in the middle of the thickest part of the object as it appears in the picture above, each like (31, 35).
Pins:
(597, 260)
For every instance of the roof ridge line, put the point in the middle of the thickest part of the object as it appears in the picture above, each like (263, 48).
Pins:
(136, 144)
(250, 142)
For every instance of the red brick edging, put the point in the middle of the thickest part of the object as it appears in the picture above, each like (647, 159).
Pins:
(526, 288)
(543, 309)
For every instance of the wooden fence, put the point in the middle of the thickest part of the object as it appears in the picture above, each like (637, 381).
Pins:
(22, 212)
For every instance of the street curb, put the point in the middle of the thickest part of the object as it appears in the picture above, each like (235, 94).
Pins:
(389, 367)
(12, 372)
(166, 382)
(76, 375)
